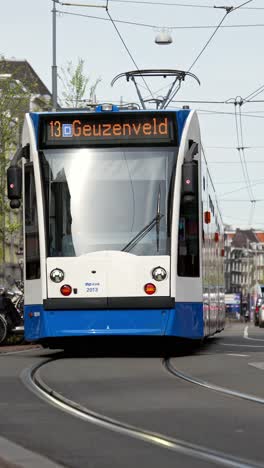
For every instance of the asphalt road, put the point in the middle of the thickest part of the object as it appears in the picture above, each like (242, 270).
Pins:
(127, 381)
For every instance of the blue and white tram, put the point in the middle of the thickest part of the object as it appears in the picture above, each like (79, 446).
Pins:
(122, 233)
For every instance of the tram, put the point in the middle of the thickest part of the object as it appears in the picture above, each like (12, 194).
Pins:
(122, 231)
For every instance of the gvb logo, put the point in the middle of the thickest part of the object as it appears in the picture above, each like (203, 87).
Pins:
(67, 130)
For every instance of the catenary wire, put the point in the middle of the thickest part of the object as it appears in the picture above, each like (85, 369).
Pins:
(235, 162)
(184, 5)
(128, 51)
(240, 189)
(239, 200)
(155, 26)
(228, 11)
(233, 147)
(239, 147)
(241, 5)
(204, 112)
(255, 93)
(211, 112)
(208, 101)
(202, 51)
(207, 43)
(192, 65)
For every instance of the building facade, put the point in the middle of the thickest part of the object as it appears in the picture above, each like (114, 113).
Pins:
(244, 263)
(21, 91)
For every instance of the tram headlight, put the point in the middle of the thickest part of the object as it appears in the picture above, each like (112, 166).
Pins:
(57, 275)
(159, 274)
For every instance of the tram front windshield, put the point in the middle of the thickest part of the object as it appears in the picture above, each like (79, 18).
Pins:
(101, 199)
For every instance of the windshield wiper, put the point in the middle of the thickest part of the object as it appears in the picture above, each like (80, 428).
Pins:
(158, 219)
(155, 222)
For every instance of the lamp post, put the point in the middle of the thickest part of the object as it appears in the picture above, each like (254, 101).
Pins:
(54, 64)
(54, 46)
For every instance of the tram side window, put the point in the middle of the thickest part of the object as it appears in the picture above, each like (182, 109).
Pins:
(188, 236)
(31, 225)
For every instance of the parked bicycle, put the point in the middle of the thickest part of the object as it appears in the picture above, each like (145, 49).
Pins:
(11, 312)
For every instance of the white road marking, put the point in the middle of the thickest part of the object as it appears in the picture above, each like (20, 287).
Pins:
(258, 365)
(245, 335)
(242, 345)
(19, 352)
(238, 355)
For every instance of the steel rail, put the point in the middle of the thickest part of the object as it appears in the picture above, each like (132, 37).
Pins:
(8, 353)
(210, 386)
(31, 378)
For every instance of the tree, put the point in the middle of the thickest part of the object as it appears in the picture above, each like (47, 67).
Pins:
(19, 93)
(13, 103)
(75, 84)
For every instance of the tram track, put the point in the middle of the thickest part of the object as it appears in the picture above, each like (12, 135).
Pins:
(217, 388)
(33, 381)
(210, 386)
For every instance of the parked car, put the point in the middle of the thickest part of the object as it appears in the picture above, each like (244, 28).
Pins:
(261, 316)
(257, 308)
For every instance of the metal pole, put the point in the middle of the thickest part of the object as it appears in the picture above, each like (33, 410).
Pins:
(54, 65)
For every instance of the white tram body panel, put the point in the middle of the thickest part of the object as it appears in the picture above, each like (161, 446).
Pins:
(108, 294)
(186, 289)
(108, 274)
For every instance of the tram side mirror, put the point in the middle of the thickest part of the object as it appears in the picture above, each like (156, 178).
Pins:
(189, 181)
(14, 185)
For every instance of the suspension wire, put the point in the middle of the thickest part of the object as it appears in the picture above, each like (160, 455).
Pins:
(239, 200)
(155, 26)
(226, 101)
(255, 93)
(228, 10)
(208, 42)
(239, 146)
(240, 189)
(241, 150)
(253, 201)
(240, 157)
(162, 3)
(236, 162)
(214, 112)
(200, 53)
(251, 213)
(188, 5)
(177, 4)
(128, 51)
(240, 6)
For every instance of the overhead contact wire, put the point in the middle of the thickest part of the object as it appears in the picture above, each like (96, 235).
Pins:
(239, 150)
(145, 25)
(243, 153)
(128, 51)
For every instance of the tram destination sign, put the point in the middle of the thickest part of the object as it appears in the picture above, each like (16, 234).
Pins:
(121, 129)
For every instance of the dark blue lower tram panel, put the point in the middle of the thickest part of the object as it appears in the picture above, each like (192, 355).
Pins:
(185, 320)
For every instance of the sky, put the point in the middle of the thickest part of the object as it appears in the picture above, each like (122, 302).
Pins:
(230, 68)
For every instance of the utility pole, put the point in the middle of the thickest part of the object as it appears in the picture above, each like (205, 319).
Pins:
(54, 46)
(54, 60)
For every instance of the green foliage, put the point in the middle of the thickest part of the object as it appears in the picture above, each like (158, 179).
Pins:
(75, 84)
(18, 90)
